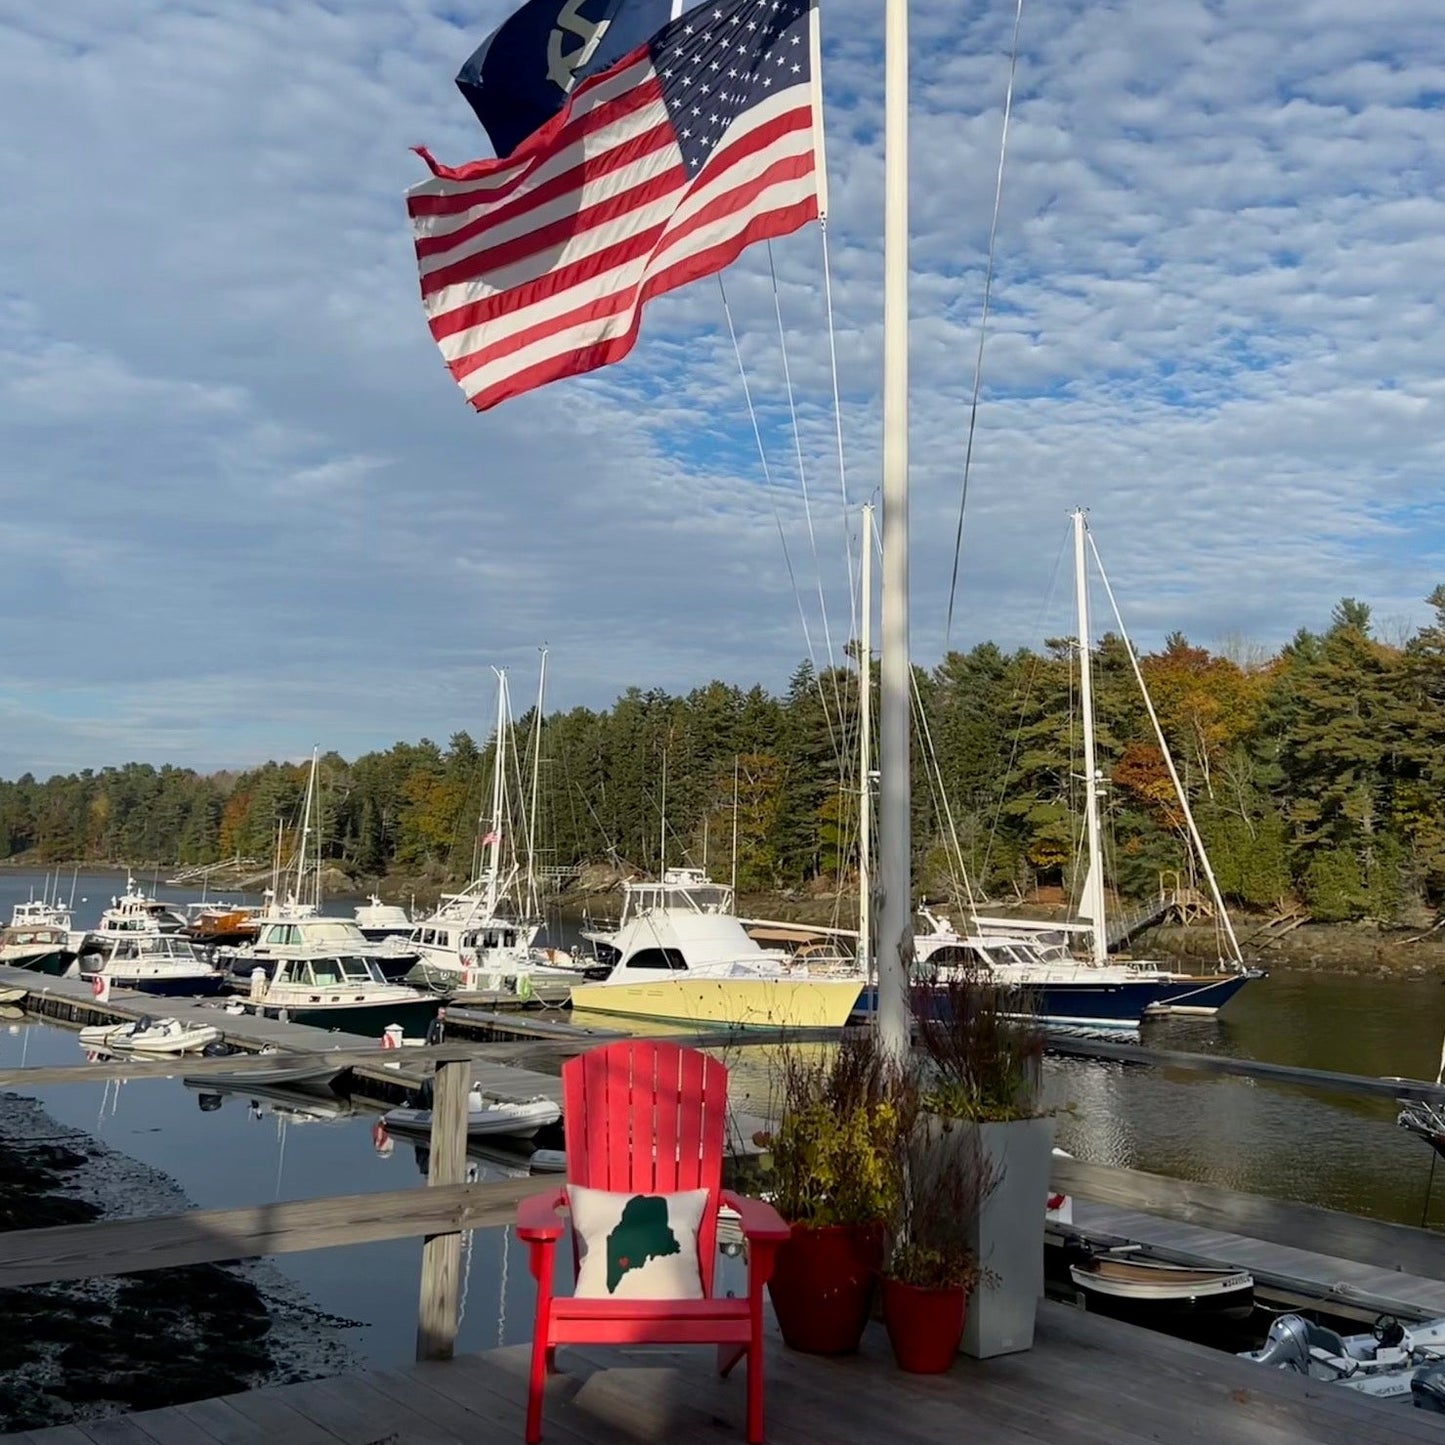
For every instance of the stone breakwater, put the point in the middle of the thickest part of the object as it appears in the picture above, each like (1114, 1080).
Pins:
(89, 1348)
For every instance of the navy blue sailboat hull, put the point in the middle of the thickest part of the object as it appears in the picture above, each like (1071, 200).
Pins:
(1114, 1004)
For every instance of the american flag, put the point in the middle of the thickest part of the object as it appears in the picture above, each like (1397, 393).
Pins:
(658, 171)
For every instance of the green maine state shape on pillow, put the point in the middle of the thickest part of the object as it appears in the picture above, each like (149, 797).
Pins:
(637, 1246)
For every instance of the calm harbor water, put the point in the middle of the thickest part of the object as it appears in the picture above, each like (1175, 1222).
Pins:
(1344, 1153)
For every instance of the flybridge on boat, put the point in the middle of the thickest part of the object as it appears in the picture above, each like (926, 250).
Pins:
(134, 912)
(688, 889)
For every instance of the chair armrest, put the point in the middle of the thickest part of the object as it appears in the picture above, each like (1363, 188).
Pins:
(537, 1216)
(760, 1220)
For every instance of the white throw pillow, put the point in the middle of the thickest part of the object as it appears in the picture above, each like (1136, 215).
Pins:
(637, 1246)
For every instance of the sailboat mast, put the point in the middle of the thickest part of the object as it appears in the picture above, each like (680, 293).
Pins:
(865, 758)
(533, 901)
(494, 840)
(1091, 902)
(895, 864)
(734, 881)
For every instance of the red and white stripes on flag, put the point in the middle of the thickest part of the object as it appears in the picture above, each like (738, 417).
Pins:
(659, 171)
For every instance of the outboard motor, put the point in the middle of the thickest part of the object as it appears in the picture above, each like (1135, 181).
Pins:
(1286, 1346)
(1427, 1388)
(1289, 1341)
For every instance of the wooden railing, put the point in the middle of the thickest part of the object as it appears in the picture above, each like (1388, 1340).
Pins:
(440, 1213)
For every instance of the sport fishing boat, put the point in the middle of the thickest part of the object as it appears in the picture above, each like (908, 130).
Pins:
(686, 966)
(343, 991)
(686, 888)
(159, 963)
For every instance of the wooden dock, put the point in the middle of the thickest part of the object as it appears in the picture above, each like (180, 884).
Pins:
(383, 1075)
(1362, 1267)
(1294, 1273)
(1087, 1381)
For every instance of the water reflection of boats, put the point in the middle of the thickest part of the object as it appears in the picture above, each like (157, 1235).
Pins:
(309, 1078)
(513, 1119)
(499, 1159)
(292, 1105)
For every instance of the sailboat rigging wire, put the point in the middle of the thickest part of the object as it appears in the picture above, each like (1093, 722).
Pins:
(940, 798)
(838, 425)
(1188, 812)
(803, 482)
(1033, 677)
(768, 484)
(983, 321)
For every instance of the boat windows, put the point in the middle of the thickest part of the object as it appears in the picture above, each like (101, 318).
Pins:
(326, 971)
(668, 958)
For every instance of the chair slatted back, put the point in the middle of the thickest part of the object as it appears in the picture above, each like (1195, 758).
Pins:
(650, 1116)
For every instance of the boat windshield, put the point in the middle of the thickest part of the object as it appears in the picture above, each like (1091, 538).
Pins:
(360, 970)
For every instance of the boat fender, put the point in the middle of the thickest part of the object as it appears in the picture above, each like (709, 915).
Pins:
(100, 987)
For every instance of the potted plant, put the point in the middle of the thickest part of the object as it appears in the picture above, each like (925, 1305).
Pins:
(835, 1160)
(981, 1060)
(931, 1267)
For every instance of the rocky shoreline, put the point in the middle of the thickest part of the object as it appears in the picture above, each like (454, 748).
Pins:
(97, 1347)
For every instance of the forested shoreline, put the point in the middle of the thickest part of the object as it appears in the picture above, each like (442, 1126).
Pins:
(1316, 776)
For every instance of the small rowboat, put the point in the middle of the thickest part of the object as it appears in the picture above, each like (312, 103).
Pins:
(1137, 1287)
(150, 1036)
(514, 1120)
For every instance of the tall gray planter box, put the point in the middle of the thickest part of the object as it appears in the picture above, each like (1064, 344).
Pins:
(1006, 1233)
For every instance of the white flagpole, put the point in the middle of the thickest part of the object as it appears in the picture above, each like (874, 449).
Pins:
(895, 871)
(820, 160)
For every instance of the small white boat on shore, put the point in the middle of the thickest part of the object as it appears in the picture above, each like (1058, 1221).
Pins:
(150, 1036)
(513, 1120)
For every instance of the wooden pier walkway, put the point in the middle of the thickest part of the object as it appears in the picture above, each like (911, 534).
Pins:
(1285, 1269)
(393, 1073)
(1087, 1381)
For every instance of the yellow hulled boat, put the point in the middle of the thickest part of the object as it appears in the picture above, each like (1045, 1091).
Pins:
(684, 966)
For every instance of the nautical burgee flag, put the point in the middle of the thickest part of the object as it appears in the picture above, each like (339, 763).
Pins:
(657, 172)
(520, 76)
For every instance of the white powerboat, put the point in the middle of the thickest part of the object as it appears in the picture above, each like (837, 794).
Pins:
(159, 963)
(692, 967)
(150, 1036)
(513, 1119)
(340, 991)
(379, 921)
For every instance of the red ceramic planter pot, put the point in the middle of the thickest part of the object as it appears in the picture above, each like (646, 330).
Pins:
(822, 1286)
(924, 1325)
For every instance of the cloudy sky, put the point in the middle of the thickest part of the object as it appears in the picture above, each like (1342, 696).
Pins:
(245, 510)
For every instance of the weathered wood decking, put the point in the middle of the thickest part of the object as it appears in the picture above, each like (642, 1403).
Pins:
(1088, 1381)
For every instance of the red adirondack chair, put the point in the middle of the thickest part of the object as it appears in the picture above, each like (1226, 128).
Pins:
(646, 1115)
